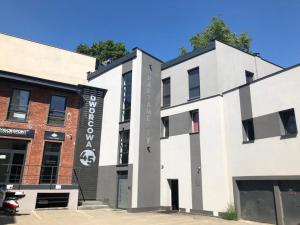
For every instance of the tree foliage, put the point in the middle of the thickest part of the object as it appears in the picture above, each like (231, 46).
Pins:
(218, 30)
(103, 50)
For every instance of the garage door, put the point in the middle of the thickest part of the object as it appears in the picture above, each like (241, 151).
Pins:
(257, 201)
(290, 196)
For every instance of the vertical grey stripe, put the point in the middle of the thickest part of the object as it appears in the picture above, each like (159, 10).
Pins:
(197, 200)
(245, 102)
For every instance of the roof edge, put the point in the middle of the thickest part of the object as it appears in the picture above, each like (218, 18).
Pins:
(117, 62)
(211, 46)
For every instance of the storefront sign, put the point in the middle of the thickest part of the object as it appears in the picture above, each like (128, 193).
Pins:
(16, 132)
(57, 136)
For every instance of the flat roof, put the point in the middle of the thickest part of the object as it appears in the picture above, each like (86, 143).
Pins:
(44, 82)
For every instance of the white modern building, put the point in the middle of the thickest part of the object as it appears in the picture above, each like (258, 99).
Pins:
(228, 134)
(213, 127)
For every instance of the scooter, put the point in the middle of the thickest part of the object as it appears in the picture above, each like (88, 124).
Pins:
(10, 201)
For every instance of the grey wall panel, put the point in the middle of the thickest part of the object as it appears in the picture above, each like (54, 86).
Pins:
(197, 200)
(107, 190)
(180, 123)
(245, 102)
(126, 67)
(267, 126)
(149, 149)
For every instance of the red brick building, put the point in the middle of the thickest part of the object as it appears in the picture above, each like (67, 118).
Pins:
(39, 128)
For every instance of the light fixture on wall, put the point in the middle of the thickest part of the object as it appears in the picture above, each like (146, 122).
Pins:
(148, 149)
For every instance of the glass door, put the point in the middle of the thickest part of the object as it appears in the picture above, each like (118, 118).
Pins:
(4, 166)
(12, 159)
(49, 169)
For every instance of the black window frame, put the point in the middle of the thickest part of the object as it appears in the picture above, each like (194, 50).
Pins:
(248, 128)
(249, 76)
(285, 119)
(165, 122)
(166, 97)
(192, 113)
(53, 177)
(123, 157)
(197, 86)
(9, 110)
(63, 118)
(125, 109)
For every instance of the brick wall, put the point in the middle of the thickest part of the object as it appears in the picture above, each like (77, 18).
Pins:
(37, 120)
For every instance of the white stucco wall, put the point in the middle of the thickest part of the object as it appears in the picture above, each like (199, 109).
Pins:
(176, 162)
(175, 156)
(179, 77)
(34, 59)
(232, 64)
(269, 156)
(109, 145)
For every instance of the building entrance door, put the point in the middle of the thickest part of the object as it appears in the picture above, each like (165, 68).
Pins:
(12, 159)
(174, 194)
(122, 190)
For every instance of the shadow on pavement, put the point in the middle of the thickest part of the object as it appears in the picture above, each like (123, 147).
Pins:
(4, 219)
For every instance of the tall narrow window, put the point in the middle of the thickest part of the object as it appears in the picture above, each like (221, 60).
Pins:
(124, 147)
(195, 121)
(166, 92)
(249, 76)
(248, 127)
(126, 97)
(18, 105)
(57, 110)
(194, 83)
(288, 121)
(50, 163)
(165, 126)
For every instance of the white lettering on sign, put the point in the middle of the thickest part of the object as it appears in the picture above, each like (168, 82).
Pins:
(13, 131)
(88, 156)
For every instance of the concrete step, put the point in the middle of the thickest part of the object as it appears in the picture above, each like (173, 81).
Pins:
(92, 205)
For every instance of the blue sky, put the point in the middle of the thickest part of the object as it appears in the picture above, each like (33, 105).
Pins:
(158, 27)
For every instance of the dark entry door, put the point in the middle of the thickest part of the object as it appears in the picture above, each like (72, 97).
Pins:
(290, 196)
(257, 201)
(122, 190)
(12, 159)
(174, 194)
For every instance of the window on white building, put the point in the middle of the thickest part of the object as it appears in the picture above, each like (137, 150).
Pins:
(165, 127)
(288, 121)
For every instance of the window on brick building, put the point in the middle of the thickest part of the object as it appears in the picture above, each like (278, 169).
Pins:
(18, 106)
(57, 110)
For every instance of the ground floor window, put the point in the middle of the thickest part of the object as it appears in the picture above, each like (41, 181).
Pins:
(50, 163)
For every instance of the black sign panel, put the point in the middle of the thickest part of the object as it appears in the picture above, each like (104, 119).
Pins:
(88, 140)
(58, 136)
(16, 132)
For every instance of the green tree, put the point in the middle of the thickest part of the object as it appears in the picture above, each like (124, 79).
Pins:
(103, 50)
(218, 30)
